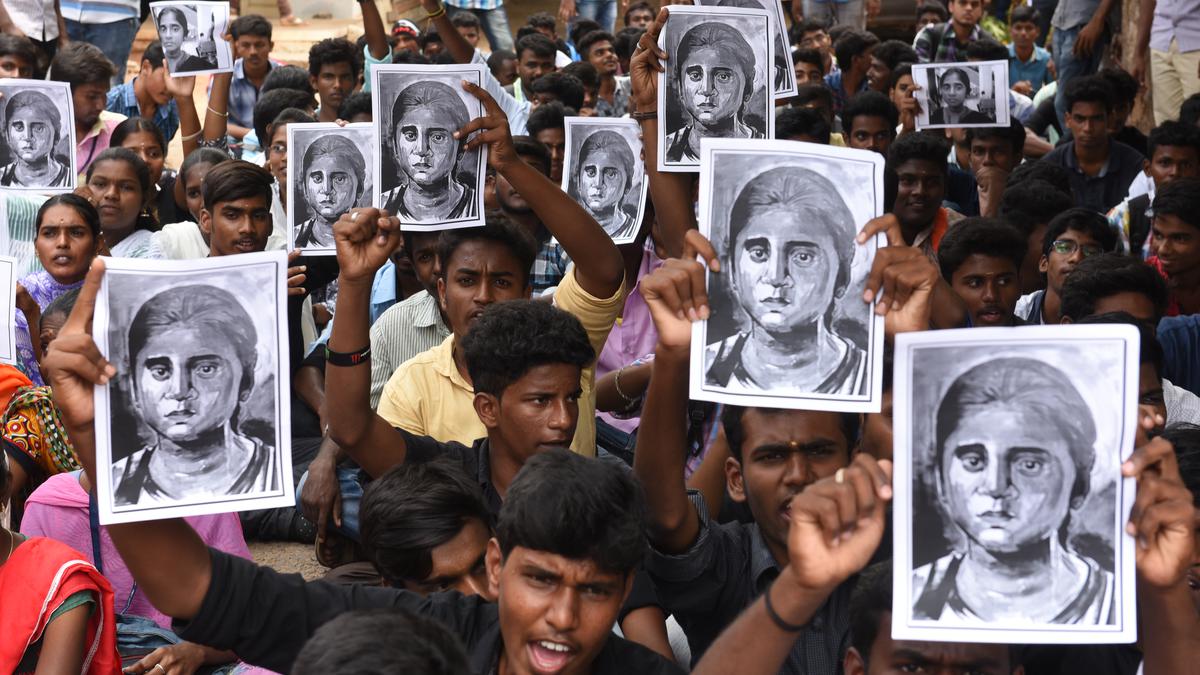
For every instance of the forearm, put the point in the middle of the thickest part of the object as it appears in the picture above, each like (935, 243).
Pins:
(1170, 629)
(634, 380)
(236, 131)
(216, 117)
(659, 458)
(709, 477)
(6, 22)
(309, 385)
(670, 192)
(377, 42)
(189, 126)
(756, 645)
(948, 310)
(455, 43)
(599, 266)
(216, 657)
(1102, 11)
(169, 562)
(647, 626)
(1035, 147)
(1145, 20)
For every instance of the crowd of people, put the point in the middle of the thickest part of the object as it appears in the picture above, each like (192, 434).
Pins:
(494, 450)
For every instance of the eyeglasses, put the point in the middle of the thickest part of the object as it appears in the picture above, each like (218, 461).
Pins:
(1068, 247)
(279, 149)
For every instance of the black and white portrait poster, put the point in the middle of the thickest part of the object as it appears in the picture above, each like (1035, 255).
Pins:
(426, 178)
(603, 172)
(958, 95)
(716, 83)
(789, 328)
(196, 421)
(8, 305)
(1009, 501)
(783, 74)
(37, 151)
(192, 37)
(330, 171)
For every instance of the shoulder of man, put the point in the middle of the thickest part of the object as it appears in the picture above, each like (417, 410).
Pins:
(620, 656)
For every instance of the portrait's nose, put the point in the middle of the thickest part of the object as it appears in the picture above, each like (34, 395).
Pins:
(779, 270)
(26, 134)
(998, 479)
(181, 385)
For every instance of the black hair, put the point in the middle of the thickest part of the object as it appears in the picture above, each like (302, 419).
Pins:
(135, 125)
(146, 219)
(411, 58)
(809, 56)
(539, 44)
(870, 104)
(627, 41)
(333, 50)
(547, 116)
(732, 417)
(814, 92)
(933, 6)
(1032, 203)
(497, 59)
(466, 20)
(1025, 14)
(542, 20)
(382, 642)
(566, 88)
(271, 104)
(870, 600)
(430, 35)
(154, 54)
(497, 229)
(443, 58)
(250, 24)
(511, 338)
(894, 52)
(589, 40)
(1089, 89)
(1179, 198)
(1080, 220)
(902, 70)
(355, 104)
(60, 306)
(809, 25)
(926, 147)
(1186, 439)
(1172, 133)
(991, 237)
(529, 148)
(20, 47)
(284, 118)
(635, 6)
(234, 180)
(91, 217)
(288, 77)
(585, 72)
(1189, 112)
(210, 156)
(580, 28)
(1123, 86)
(792, 122)
(1056, 176)
(81, 63)
(1014, 134)
(411, 510)
(852, 43)
(576, 507)
(1105, 275)
(1149, 351)
(986, 49)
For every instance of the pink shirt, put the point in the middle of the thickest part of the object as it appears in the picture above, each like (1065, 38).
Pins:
(88, 148)
(633, 336)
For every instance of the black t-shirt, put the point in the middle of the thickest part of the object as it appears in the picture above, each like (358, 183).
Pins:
(266, 617)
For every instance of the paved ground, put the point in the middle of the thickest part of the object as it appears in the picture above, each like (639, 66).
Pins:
(288, 558)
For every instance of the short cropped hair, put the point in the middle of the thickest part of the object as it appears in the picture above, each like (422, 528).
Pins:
(20, 47)
(1054, 175)
(1025, 14)
(1102, 276)
(1089, 89)
(935, 7)
(542, 20)
(271, 104)
(926, 147)
(576, 507)
(1179, 198)
(250, 24)
(81, 63)
(498, 229)
(497, 59)
(1032, 203)
(636, 6)
(154, 54)
(551, 115)
(870, 103)
(539, 44)
(792, 122)
(591, 39)
(991, 237)
(566, 88)
(1124, 87)
(870, 600)
(735, 433)
(288, 77)
(466, 20)
(986, 49)
(1080, 220)
(1014, 134)
(333, 50)
(852, 43)
(894, 52)
(809, 56)
(234, 180)
(357, 103)
(533, 152)
(288, 116)
(814, 92)
(511, 338)
(585, 73)
(902, 70)
(626, 42)
(1189, 112)
(580, 28)
(411, 510)
(382, 642)
(1186, 439)
(1172, 133)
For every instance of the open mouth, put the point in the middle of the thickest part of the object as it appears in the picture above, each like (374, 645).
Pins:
(991, 315)
(547, 656)
(62, 260)
(246, 245)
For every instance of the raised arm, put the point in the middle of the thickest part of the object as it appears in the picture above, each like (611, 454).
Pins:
(676, 296)
(167, 559)
(377, 39)
(599, 267)
(182, 90)
(1141, 47)
(216, 113)
(365, 238)
(455, 43)
(671, 192)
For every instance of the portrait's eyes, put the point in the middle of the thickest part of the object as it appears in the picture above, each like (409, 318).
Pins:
(40, 127)
(159, 371)
(802, 256)
(1029, 465)
(610, 173)
(208, 369)
(758, 253)
(409, 135)
(695, 74)
(589, 171)
(972, 460)
(340, 179)
(316, 177)
(724, 76)
(18, 126)
(439, 137)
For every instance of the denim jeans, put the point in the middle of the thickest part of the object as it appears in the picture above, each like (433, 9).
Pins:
(603, 12)
(614, 441)
(495, 25)
(352, 494)
(1069, 66)
(115, 39)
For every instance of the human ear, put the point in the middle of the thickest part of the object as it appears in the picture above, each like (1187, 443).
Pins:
(487, 407)
(493, 560)
(441, 292)
(206, 222)
(854, 663)
(1044, 265)
(734, 482)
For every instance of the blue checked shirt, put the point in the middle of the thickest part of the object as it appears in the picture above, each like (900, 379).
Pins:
(549, 267)
(242, 96)
(476, 4)
(121, 99)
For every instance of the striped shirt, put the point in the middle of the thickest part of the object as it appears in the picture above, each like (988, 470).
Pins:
(476, 4)
(16, 240)
(403, 331)
(107, 11)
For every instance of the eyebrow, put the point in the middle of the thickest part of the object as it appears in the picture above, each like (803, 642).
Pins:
(815, 444)
(922, 659)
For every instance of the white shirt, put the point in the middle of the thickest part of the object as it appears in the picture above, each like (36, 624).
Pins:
(517, 111)
(35, 18)
(181, 241)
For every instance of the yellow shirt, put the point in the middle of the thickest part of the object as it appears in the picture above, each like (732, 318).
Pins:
(428, 396)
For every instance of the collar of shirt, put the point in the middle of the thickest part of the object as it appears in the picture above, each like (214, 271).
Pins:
(763, 568)
(445, 366)
(427, 315)
(1111, 163)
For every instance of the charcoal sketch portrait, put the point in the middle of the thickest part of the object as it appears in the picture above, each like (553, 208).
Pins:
(783, 74)
(1017, 460)
(195, 409)
(604, 173)
(37, 151)
(427, 177)
(716, 82)
(329, 174)
(190, 34)
(963, 95)
(788, 321)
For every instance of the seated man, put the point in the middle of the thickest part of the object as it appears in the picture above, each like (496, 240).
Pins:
(350, 644)
(801, 124)
(870, 120)
(995, 152)
(1073, 235)
(1175, 243)
(981, 259)
(89, 73)
(919, 166)
(884, 59)
(1029, 206)
(1173, 152)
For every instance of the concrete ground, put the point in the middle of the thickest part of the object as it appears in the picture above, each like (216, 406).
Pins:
(288, 558)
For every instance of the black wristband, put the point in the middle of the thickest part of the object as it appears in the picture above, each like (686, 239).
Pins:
(778, 620)
(347, 359)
